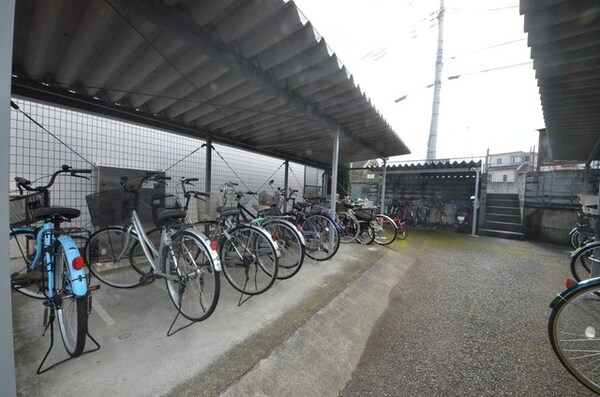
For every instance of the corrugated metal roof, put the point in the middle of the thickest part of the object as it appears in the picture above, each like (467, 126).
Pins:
(250, 73)
(564, 36)
(432, 168)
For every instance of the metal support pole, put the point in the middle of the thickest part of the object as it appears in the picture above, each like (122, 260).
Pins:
(286, 176)
(7, 353)
(382, 209)
(475, 203)
(208, 166)
(334, 168)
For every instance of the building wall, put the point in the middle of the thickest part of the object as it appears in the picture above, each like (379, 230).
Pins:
(88, 141)
(551, 203)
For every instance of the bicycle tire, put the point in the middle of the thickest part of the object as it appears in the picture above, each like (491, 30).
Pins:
(401, 232)
(350, 228)
(195, 292)
(572, 328)
(385, 229)
(367, 233)
(322, 237)
(71, 310)
(248, 259)
(582, 260)
(102, 251)
(23, 280)
(293, 250)
(138, 258)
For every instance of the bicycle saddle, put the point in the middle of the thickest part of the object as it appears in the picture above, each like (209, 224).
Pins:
(41, 214)
(228, 211)
(170, 216)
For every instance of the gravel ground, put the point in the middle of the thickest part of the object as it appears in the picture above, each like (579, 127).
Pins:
(468, 319)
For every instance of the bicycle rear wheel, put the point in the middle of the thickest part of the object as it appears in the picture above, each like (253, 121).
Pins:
(574, 330)
(249, 259)
(385, 229)
(71, 310)
(584, 264)
(350, 228)
(367, 234)
(196, 289)
(108, 261)
(322, 238)
(291, 246)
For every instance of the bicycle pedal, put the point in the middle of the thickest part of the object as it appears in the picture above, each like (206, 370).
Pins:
(147, 279)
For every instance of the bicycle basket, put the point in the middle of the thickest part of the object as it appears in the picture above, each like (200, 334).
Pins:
(207, 209)
(109, 208)
(364, 214)
(22, 206)
(270, 199)
(162, 202)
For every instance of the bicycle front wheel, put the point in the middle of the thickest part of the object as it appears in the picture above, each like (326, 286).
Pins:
(385, 229)
(574, 331)
(71, 310)
(192, 281)
(291, 246)
(322, 238)
(249, 259)
(110, 260)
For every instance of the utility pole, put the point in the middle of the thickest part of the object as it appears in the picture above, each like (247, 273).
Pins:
(437, 87)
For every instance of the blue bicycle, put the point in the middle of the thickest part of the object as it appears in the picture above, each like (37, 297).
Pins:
(49, 265)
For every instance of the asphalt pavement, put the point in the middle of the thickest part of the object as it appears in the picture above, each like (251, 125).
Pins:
(439, 314)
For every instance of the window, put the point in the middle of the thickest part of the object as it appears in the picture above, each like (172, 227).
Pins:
(498, 161)
(516, 159)
(504, 178)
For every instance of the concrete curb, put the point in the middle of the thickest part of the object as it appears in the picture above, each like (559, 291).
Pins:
(318, 359)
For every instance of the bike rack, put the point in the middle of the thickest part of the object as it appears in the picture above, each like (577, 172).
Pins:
(50, 324)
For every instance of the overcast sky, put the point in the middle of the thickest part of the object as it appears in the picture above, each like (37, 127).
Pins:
(389, 46)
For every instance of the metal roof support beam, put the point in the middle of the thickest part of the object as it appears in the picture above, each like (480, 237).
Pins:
(334, 168)
(7, 353)
(286, 177)
(208, 166)
(382, 208)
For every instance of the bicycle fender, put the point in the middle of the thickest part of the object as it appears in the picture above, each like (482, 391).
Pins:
(572, 231)
(568, 293)
(270, 238)
(206, 242)
(78, 277)
(587, 246)
(290, 224)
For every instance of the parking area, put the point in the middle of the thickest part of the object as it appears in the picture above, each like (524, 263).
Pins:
(439, 311)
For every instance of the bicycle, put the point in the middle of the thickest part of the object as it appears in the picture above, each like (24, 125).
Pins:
(573, 328)
(273, 252)
(55, 271)
(321, 232)
(249, 255)
(183, 258)
(583, 233)
(289, 239)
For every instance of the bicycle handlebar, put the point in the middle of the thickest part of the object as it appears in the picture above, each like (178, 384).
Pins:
(23, 183)
(128, 187)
